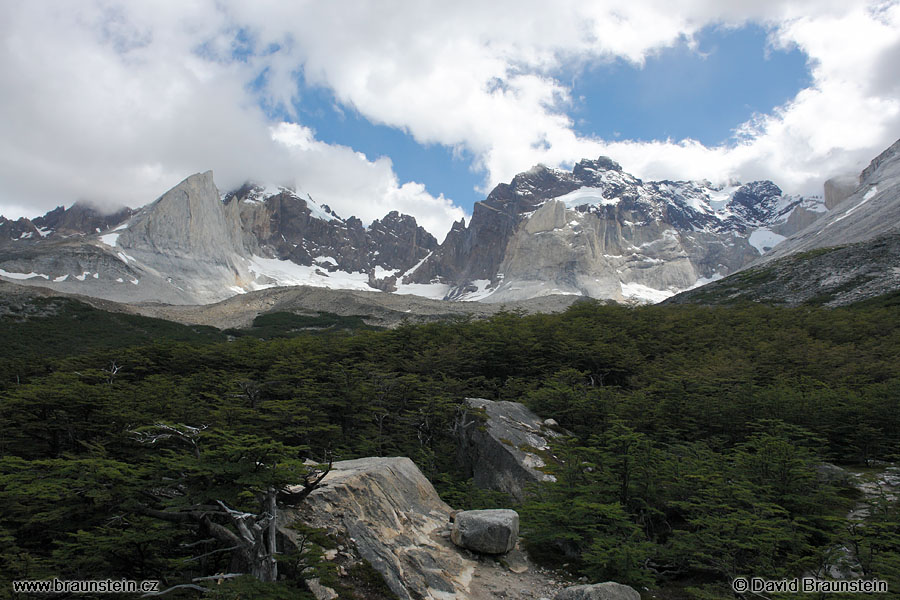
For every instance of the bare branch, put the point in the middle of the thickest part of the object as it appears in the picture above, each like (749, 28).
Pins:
(183, 586)
(219, 576)
(234, 514)
(193, 558)
(180, 433)
(198, 543)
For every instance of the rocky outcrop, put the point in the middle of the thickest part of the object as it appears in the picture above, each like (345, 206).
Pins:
(280, 223)
(80, 219)
(599, 591)
(486, 531)
(838, 189)
(475, 252)
(397, 242)
(831, 473)
(383, 510)
(504, 446)
(392, 515)
(16, 230)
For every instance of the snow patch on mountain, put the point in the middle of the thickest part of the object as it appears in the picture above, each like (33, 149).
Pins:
(586, 195)
(434, 290)
(764, 240)
(644, 294)
(13, 275)
(272, 272)
(260, 193)
(381, 272)
(110, 239)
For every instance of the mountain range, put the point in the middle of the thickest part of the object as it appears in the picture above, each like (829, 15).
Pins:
(595, 231)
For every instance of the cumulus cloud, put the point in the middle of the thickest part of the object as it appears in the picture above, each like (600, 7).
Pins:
(116, 101)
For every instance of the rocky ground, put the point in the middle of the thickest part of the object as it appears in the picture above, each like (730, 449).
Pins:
(876, 484)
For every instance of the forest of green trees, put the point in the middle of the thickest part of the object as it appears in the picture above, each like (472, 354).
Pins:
(694, 435)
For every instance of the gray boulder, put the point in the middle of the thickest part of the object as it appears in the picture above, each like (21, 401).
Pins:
(486, 531)
(507, 451)
(599, 591)
(831, 473)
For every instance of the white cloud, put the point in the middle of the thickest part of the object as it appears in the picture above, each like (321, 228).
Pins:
(116, 101)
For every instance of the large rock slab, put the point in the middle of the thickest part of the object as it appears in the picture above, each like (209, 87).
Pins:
(486, 531)
(392, 514)
(599, 591)
(507, 451)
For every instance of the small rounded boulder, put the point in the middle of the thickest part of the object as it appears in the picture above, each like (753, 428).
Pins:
(486, 531)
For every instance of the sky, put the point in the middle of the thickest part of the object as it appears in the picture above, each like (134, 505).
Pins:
(424, 106)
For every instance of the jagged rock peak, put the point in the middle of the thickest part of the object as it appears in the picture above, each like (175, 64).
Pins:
(756, 201)
(188, 220)
(603, 163)
(80, 219)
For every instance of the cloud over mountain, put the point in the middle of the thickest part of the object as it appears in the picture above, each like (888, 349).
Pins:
(116, 101)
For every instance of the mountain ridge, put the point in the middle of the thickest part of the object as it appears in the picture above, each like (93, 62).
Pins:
(594, 231)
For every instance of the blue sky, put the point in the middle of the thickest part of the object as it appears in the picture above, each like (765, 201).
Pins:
(701, 93)
(423, 106)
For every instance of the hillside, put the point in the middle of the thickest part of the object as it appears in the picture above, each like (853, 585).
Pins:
(835, 276)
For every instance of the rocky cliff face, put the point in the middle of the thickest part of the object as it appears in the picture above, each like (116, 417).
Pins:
(601, 232)
(278, 223)
(186, 236)
(78, 220)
